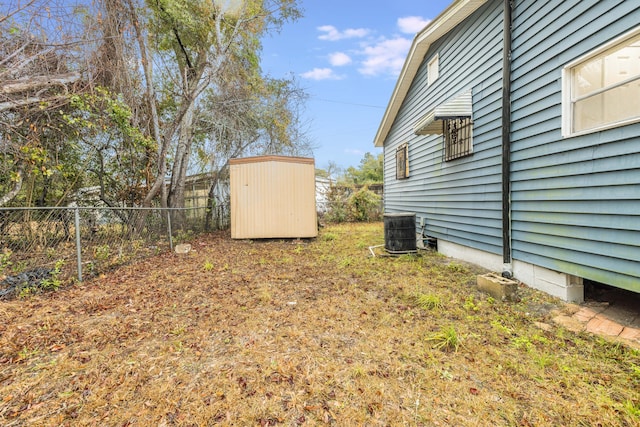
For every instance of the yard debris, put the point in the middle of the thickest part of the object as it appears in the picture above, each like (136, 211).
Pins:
(11, 286)
(183, 248)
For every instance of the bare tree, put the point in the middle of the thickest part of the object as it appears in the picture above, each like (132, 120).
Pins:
(36, 77)
(182, 47)
(168, 62)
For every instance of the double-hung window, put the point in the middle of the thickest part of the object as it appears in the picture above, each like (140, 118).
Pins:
(601, 90)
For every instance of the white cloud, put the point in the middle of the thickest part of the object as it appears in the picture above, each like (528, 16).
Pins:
(385, 57)
(382, 57)
(331, 33)
(412, 24)
(338, 59)
(321, 74)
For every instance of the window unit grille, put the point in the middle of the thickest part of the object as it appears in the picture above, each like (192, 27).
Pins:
(457, 133)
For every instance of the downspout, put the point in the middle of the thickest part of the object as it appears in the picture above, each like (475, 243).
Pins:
(507, 270)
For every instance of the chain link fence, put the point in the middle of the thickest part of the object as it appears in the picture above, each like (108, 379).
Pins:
(44, 247)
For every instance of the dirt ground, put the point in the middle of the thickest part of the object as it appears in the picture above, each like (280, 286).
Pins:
(312, 332)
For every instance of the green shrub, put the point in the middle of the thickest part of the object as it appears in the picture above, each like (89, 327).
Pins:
(337, 204)
(364, 205)
(345, 203)
(5, 262)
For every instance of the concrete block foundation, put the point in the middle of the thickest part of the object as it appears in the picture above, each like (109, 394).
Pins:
(500, 288)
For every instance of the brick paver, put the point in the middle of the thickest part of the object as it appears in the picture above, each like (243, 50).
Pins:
(629, 333)
(604, 320)
(602, 325)
(585, 314)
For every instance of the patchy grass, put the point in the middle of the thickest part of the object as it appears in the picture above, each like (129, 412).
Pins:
(312, 333)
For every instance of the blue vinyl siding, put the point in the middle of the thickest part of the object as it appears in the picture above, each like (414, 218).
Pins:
(460, 199)
(575, 201)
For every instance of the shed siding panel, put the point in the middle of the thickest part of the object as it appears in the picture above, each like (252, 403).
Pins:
(272, 198)
(576, 201)
(458, 200)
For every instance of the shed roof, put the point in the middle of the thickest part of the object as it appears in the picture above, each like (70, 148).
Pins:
(455, 13)
(271, 158)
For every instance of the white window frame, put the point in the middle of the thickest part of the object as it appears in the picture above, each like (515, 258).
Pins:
(433, 69)
(567, 97)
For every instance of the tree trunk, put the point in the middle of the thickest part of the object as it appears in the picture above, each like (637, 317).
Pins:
(181, 160)
(161, 140)
(46, 182)
(212, 206)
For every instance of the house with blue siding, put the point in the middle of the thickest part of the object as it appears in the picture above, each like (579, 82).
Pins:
(513, 134)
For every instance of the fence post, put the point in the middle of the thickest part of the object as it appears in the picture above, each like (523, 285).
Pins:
(78, 244)
(169, 227)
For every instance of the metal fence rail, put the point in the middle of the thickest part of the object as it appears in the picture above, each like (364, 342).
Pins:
(80, 242)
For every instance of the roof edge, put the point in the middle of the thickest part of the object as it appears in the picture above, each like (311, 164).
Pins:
(455, 13)
(272, 158)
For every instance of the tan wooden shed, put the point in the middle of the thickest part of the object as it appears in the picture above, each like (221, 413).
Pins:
(273, 197)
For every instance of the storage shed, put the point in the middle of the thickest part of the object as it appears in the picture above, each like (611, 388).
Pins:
(273, 197)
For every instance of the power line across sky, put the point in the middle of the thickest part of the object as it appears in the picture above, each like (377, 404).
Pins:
(347, 56)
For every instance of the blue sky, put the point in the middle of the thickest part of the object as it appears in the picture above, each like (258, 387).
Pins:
(347, 55)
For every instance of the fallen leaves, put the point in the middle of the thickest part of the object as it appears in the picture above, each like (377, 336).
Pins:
(273, 335)
(57, 347)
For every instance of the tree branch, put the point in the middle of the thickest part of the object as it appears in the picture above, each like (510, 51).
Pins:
(11, 105)
(175, 33)
(34, 82)
(16, 11)
(17, 186)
